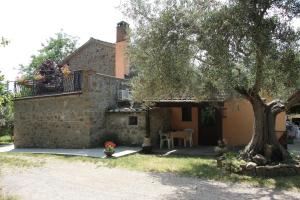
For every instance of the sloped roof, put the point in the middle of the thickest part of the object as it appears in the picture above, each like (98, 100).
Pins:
(90, 41)
(126, 110)
(186, 99)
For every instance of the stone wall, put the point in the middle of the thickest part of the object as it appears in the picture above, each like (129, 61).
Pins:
(118, 123)
(96, 55)
(160, 119)
(103, 94)
(66, 120)
(52, 122)
(79, 120)
(273, 171)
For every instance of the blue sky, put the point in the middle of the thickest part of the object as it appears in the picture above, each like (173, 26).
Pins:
(29, 23)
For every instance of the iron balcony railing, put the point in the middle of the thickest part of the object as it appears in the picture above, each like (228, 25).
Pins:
(52, 84)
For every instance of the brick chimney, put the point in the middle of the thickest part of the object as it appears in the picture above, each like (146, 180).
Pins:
(122, 28)
(122, 62)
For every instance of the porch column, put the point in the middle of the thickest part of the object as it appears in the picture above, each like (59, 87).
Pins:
(147, 122)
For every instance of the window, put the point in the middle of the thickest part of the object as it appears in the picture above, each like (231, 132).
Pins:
(133, 120)
(186, 113)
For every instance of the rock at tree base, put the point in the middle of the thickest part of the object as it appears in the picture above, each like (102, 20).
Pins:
(259, 160)
(250, 165)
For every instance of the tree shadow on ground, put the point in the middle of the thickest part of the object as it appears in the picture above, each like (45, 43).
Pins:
(194, 188)
(210, 171)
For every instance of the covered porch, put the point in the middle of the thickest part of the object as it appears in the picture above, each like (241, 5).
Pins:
(173, 119)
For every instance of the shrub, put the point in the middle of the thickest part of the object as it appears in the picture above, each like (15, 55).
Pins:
(5, 139)
(232, 162)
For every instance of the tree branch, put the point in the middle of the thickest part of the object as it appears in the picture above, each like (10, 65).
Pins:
(293, 100)
(200, 59)
(259, 71)
(276, 107)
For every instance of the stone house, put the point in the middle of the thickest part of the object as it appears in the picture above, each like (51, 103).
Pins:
(97, 102)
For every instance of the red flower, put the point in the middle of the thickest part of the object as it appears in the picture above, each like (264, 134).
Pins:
(109, 144)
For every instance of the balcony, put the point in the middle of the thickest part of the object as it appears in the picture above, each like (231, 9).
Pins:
(49, 85)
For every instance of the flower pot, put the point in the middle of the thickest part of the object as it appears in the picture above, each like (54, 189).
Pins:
(109, 153)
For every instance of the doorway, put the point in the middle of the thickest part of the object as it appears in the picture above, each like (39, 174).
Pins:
(209, 125)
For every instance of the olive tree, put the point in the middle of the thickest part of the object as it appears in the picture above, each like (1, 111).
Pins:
(207, 49)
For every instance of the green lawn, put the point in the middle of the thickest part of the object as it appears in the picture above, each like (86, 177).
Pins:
(5, 139)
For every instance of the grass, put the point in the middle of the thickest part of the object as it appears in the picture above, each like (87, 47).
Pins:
(203, 168)
(5, 139)
(19, 161)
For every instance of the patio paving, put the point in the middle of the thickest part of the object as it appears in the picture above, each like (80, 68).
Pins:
(95, 152)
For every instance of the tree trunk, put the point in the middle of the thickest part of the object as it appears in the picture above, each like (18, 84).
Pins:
(264, 140)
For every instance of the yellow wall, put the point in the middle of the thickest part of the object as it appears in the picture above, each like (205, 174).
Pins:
(238, 122)
(122, 62)
(178, 124)
(280, 124)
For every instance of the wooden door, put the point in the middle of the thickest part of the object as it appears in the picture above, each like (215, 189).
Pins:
(210, 125)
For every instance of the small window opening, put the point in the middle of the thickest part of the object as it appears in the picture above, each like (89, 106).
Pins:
(186, 113)
(133, 120)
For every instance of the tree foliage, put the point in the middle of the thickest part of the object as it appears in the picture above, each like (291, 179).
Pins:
(208, 47)
(6, 108)
(6, 103)
(55, 49)
(212, 49)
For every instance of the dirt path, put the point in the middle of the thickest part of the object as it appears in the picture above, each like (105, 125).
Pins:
(59, 180)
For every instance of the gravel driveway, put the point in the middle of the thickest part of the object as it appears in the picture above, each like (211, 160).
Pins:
(59, 180)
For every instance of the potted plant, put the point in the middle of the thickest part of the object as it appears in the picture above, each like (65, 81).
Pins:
(23, 81)
(39, 77)
(66, 70)
(109, 148)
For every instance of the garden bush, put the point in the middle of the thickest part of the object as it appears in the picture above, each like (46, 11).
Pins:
(231, 162)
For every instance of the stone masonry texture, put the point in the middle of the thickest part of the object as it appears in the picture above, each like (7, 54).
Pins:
(52, 122)
(66, 121)
(132, 135)
(96, 55)
(118, 123)
(103, 94)
(72, 120)
(160, 119)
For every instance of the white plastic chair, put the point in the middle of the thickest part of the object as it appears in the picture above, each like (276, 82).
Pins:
(190, 138)
(164, 137)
